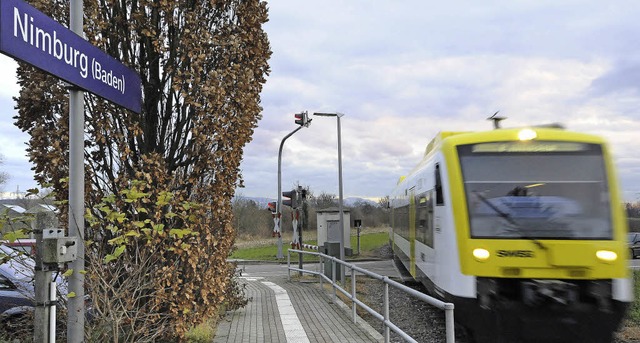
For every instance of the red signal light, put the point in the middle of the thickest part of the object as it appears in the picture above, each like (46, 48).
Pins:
(302, 119)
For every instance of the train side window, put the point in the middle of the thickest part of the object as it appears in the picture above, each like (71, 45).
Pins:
(400, 217)
(439, 195)
(424, 218)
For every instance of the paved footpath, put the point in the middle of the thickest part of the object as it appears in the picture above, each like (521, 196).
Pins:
(291, 311)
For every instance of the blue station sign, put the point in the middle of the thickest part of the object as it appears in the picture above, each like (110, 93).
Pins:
(29, 35)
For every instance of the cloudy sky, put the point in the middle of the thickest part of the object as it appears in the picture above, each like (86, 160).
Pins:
(400, 71)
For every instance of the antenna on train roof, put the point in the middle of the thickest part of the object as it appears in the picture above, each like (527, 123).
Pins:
(496, 120)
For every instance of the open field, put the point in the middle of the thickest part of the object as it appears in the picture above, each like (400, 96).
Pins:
(265, 249)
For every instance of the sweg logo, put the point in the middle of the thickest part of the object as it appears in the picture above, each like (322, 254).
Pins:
(515, 253)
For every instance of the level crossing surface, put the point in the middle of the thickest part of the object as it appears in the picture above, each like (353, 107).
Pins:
(289, 311)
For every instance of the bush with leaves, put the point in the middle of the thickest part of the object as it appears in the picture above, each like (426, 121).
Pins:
(202, 65)
(155, 266)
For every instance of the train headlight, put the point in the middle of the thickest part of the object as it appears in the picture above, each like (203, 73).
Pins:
(606, 255)
(527, 135)
(481, 254)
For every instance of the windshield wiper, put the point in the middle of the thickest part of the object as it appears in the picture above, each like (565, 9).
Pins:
(511, 221)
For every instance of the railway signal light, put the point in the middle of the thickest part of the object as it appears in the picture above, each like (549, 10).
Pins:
(302, 194)
(302, 119)
(293, 198)
(271, 206)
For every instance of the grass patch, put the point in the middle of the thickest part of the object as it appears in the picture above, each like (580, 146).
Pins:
(269, 252)
(203, 333)
(264, 253)
(630, 328)
(369, 243)
(633, 316)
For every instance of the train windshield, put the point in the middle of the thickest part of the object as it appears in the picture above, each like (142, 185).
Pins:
(536, 189)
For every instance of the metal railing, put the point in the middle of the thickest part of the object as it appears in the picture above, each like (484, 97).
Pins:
(386, 321)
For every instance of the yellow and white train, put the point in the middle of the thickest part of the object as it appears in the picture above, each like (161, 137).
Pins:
(522, 229)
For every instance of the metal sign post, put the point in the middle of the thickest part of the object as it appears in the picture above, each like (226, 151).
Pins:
(358, 224)
(75, 305)
(299, 238)
(303, 223)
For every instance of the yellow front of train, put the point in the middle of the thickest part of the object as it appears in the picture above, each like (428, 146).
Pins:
(540, 224)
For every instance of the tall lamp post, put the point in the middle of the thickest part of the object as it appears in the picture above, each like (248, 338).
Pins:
(340, 196)
(277, 228)
(303, 120)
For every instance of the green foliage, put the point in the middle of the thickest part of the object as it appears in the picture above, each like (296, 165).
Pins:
(158, 264)
(13, 227)
(202, 333)
(12, 235)
(128, 229)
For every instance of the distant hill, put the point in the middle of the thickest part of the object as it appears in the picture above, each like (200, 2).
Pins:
(351, 201)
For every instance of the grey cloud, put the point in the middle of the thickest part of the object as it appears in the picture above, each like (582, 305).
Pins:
(622, 77)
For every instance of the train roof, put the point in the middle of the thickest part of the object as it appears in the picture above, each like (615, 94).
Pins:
(544, 132)
(435, 142)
